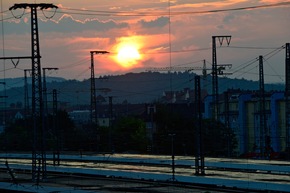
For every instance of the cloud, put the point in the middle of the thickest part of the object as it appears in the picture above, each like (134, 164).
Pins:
(66, 24)
(66, 38)
(206, 5)
(159, 22)
(228, 18)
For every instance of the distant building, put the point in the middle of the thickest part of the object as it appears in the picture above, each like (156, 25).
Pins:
(184, 96)
(2, 128)
(103, 113)
(242, 112)
(80, 116)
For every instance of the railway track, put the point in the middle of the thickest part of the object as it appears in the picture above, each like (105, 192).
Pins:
(221, 176)
(96, 183)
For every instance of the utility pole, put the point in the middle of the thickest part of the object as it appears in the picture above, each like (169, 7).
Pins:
(110, 124)
(27, 113)
(94, 114)
(264, 133)
(215, 73)
(3, 121)
(151, 110)
(45, 108)
(172, 135)
(287, 98)
(45, 89)
(55, 130)
(199, 156)
(26, 96)
(38, 152)
(93, 88)
(227, 121)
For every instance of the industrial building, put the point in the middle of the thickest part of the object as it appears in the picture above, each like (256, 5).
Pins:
(240, 111)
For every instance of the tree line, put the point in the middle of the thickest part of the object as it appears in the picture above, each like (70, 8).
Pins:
(127, 134)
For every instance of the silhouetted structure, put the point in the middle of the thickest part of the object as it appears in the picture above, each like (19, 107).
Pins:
(287, 95)
(215, 72)
(38, 152)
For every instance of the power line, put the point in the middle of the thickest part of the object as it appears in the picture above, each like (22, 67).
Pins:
(87, 12)
(273, 70)
(180, 51)
(274, 52)
(14, 16)
(253, 47)
(165, 13)
(77, 63)
(241, 68)
(2, 12)
(252, 61)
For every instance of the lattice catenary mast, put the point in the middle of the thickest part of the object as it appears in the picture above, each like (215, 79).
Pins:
(93, 88)
(199, 154)
(264, 132)
(215, 73)
(287, 98)
(55, 130)
(94, 118)
(38, 152)
(26, 96)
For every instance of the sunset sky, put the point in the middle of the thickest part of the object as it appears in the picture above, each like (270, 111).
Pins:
(144, 34)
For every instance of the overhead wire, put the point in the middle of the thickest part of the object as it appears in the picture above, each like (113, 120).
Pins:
(241, 68)
(18, 16)
(193, 62)
(130, 13)
(77, 63)
(274, 52)
(49, 17)
(8, 69)
(170, 13)
(4, 66)
(164, 13)
(13, 17)
(273, 70)
(178, 13)
(2, 12)
(245, 65)
(174, 51)
(252, 47)
(252, 61)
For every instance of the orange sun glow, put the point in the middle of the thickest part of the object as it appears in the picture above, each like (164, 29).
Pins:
(128, 55)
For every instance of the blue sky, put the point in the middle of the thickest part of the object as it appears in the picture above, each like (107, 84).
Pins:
(175, 33)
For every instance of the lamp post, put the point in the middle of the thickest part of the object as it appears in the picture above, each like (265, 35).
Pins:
(93, 87)
(172, 135)
(93, 112)
(45, 89)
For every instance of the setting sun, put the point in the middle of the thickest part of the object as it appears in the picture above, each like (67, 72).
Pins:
(128, 55)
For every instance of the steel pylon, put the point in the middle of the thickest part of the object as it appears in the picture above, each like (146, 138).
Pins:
(38, 149)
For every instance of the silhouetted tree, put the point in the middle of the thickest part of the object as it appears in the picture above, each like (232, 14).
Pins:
(17, 135)
(169, 121)
(217, 139)
(130, 135)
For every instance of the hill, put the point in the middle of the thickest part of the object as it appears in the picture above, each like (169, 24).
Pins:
(143, 87)
(19, 82)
